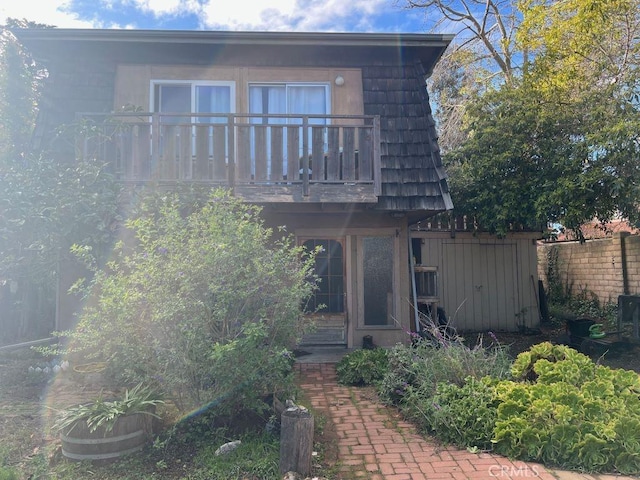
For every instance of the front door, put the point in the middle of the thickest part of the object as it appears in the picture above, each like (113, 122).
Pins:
(327, 306)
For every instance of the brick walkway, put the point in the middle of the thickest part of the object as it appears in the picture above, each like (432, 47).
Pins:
(376, 444)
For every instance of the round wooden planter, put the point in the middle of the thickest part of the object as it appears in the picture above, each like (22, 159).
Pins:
(129, 434)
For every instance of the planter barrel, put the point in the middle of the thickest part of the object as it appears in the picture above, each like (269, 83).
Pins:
(129, 434)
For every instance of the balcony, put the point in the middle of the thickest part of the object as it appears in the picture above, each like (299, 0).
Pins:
(274, 158)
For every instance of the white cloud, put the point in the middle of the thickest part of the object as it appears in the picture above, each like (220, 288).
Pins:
(51, 12)
(297, 15)
(161, 7)
(265, 15)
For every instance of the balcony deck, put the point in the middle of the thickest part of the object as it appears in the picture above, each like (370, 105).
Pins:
(262, 159)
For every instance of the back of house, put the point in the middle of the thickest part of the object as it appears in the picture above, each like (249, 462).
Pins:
(331, 133)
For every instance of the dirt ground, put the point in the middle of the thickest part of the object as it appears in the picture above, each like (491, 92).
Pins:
(29, 400)
(623, 354)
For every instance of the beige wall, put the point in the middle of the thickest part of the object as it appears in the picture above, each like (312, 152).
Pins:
(133, 83)
(597, 266)
(484, 283)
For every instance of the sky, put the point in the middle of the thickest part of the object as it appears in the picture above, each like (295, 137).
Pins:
(260, 15)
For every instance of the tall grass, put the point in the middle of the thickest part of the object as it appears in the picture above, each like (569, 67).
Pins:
(438, 358)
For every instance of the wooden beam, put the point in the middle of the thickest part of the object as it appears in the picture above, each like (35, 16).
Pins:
(338, 193)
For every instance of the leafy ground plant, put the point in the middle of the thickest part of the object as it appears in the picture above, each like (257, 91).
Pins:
(362, 367)
(415, 372)
(464, 415)
(104, 413)
(565, 410)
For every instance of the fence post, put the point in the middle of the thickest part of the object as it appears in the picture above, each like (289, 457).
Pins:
(623, 260)
(305, 156)
(231, 141)
(296, 440)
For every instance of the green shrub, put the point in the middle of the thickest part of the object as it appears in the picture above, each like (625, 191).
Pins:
(403, 370)
(362, 367)
(568, 411)
(464, 415)
(526, 367)
(417, 372)
(105, 413)
(423, 366)
(203, 303)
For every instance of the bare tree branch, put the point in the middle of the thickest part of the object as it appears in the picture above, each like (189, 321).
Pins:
(490, 22)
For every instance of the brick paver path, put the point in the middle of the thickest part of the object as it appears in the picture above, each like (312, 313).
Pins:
(376, 444)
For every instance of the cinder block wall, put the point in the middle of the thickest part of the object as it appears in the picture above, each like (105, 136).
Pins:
(607, 267)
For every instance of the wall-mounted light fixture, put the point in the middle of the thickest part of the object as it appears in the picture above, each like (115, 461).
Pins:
(339, 81)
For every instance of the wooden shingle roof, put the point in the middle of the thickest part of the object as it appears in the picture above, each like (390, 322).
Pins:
(413, 177)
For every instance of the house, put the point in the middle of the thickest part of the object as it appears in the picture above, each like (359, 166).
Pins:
(331, 133)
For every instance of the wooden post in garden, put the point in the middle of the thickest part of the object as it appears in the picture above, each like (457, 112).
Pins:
(296, 440)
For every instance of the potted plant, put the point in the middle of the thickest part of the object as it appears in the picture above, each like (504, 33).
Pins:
(108, 429)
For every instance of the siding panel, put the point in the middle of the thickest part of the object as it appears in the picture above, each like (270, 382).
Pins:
(484, 283)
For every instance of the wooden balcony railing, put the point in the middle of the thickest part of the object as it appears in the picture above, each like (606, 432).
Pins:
(260, 157)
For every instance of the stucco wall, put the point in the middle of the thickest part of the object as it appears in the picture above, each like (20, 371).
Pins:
(607, 267)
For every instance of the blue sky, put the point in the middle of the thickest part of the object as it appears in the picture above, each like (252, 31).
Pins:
(263, 15)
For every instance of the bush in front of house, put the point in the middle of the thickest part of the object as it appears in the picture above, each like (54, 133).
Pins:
(362, 367)
(416, 372)
(203, 303)
(463, 415)
(559, 408)
(563, 409)
(552, 404)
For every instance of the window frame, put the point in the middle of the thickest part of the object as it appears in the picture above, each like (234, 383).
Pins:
(193, 84)
(287, 85)
(395, 275)
(302, 240)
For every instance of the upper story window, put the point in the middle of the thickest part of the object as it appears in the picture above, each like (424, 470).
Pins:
(193, 97)
(288, 99)
(291, 99)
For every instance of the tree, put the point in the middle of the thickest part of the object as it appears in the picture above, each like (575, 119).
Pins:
(486, 27)
(583, 45)
(518, 161)
(204, 303)
(45, 205)
(20, 85)
(483, 56)
(554, 137)
(587, 54)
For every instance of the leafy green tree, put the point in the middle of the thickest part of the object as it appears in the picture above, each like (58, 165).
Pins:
(21, 82)
(514, 159)
(588, 55)
(550, 131)
(45, 205)
(204, 302)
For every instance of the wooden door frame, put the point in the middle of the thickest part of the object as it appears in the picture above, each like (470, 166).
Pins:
(345, 242)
